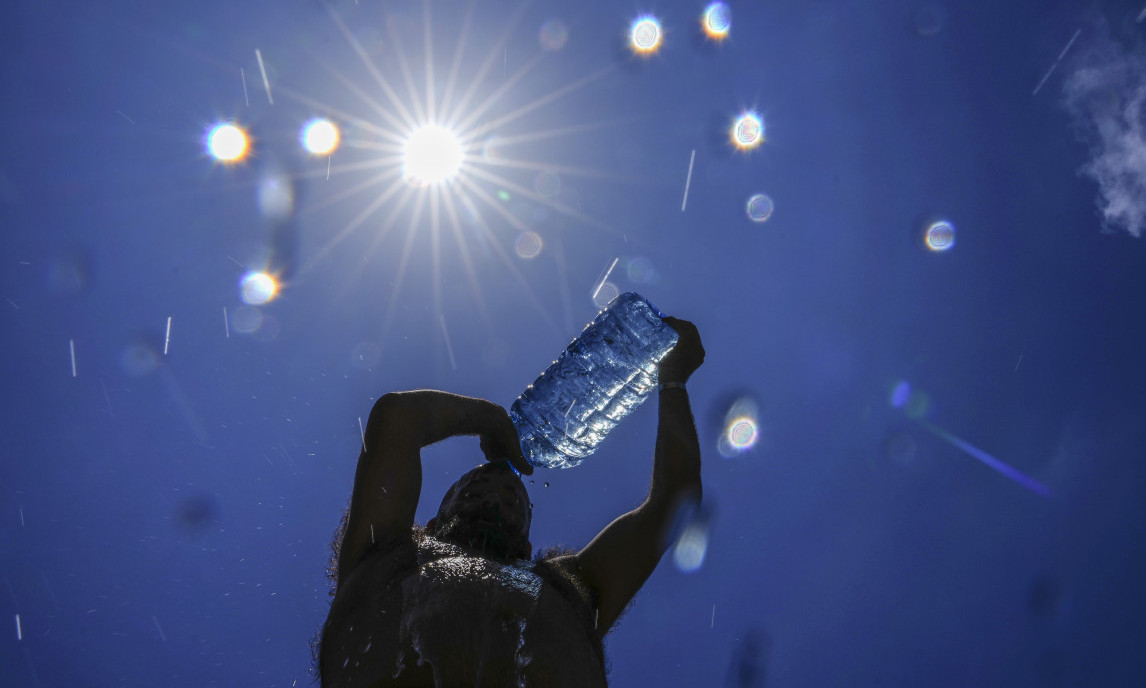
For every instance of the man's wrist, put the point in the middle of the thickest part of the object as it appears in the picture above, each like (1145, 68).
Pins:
(671, 384)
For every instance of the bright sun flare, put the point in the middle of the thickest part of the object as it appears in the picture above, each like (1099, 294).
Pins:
(432, 154)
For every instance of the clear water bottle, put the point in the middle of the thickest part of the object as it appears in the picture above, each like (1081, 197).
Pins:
(605, 373)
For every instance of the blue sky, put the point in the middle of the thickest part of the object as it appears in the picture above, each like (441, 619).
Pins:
(169, 497)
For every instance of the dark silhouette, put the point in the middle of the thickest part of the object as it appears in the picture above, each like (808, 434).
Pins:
(459, 602)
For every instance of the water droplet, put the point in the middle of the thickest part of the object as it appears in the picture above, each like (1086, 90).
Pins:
(532, 481)
(547, 483)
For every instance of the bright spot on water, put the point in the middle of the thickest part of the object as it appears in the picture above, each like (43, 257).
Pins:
(554, 35)
(641, 270)
(605, 294)
(256, 288)
(320, 137)
(759, 207)
(717, 20)
(227, 143)
(645, 35)
(900, 394)
(930, 18)
(246, 319)
(748, 131)
(741, 430)
(939, 236)
(547, 183)
(138, 360)
(528, 245)
(433, 154)
(276, 197)
(688, 553)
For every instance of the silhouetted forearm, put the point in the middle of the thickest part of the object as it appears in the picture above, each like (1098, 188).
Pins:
(426, 416)
(676, 467)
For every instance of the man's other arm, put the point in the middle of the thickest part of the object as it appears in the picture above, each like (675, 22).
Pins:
(621, 558)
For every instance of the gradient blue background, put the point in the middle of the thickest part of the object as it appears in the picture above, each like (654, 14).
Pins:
(170, 526)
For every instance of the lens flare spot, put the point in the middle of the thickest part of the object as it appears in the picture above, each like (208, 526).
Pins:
(276, 197)
(606, 293)
(246, 319)
(900, 393)
(641, 270)
(257, 288)
(741, 430)
(432, 155)
(748, 131)
(759, 207)
(717, 21)
(645, 35)
(227, 143)
(547, 183)
(138, 360)
(690, 549)
(527, 245)
(554, 35)
(320, 137)
(939, 236)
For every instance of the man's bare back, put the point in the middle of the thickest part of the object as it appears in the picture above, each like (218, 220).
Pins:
(433, 615)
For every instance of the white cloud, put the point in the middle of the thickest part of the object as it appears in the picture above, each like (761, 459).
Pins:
(1106, 97)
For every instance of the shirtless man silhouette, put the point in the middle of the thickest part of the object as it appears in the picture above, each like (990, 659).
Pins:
(460, 602)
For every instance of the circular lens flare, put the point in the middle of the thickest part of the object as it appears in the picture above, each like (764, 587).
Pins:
(433, 154)
(227, 143)
(320, 137)
(717, 21)
(748, 131)
(939, 236)
(760, 207)
(645, 35)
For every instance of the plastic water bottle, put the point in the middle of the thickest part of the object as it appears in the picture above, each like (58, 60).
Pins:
(605, 373)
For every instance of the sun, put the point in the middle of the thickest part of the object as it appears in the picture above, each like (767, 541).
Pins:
(432, 155)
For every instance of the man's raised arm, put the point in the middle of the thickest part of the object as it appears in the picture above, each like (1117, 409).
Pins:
(388, 479)
(618, 561)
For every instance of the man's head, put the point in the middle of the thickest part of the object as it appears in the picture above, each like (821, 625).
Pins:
(487, 510)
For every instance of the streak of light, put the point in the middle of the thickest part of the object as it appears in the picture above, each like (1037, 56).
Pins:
(19, 631)
(1141, 16)
(449, 347)
(120, 113)
(688, 180)
(11, 302)
(602, 281)
(570, 409)
(243, 76)
(21, 517)
(372, 533)
(362, 433)
(226, 323)
(1060, 56)
(976, 453)
(72, 348)
(1019, 363)
(328, 158)
(106, 397)
(159, 628)
(712, 622)
(263, 70)
(167, 337)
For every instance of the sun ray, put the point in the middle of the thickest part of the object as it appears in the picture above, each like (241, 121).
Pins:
(483, 70)
(473, 114)
(586, 172)
(435, 251)
(464, 251)
(528, 107)
(407, 76)
(343, 194)
(505, 257)
(428, 43)
(408, 121)
(403, 263)
(556, 132)
(458, 52)
(533, 195)
(354, 223)
(342, 115)
(379, 237)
